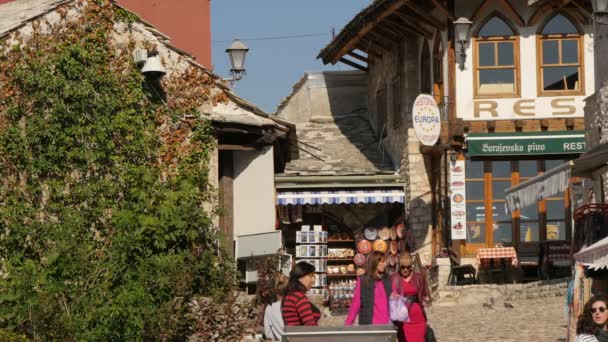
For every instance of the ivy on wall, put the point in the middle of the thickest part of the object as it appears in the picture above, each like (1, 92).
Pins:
(103, 235)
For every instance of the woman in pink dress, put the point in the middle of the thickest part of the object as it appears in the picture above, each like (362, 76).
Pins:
(411, 285)
(370, 300)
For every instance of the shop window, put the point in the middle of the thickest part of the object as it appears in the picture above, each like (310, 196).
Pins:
(496, 59)
(528, 168)
(528, 224)
(560, 68)
(476, 210)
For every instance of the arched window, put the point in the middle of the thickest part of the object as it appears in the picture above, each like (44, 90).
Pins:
(496, 59)
(560, 61)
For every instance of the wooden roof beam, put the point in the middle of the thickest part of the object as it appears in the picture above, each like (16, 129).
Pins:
(371, 42)
(365, 29)
(477, 12)
(404, 20)
(353, 64)
(513, 13)
(380, 39)
(425, 16)
(359, 57)
(402, 26)
(539, 13)
(444, 10)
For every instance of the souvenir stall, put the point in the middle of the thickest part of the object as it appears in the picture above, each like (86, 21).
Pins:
(336, 232)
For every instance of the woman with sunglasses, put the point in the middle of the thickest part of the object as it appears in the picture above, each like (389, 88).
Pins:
(412, 286)
(591, 325)
(370, 300)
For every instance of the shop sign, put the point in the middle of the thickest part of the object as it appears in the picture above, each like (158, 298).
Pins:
(458, 201)
(427, 122)
(526, 143)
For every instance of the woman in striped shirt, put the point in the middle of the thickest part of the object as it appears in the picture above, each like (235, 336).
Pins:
(591, 325)
(296, 307)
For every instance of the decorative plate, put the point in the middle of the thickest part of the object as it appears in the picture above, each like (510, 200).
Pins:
(394, 246)
(364, 246)
(393, 233)
(370, 233)
(359, 259)
(400, 230)
(343, 270)
(384, 233)
(380, 246)
(392, 260)
(350, 268)
(360, 272)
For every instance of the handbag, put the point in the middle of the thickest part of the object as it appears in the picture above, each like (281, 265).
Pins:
(430, 334)
(398, 309)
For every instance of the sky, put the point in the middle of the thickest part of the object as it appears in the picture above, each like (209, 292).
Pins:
(275, 65)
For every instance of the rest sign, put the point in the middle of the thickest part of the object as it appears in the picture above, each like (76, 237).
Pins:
(427, 123)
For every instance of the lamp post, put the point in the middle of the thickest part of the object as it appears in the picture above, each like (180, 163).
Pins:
(237, 52)
(462, 26)
(600, 11)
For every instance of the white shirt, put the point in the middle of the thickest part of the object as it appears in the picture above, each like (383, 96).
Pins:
(585, 338)
(273, 321)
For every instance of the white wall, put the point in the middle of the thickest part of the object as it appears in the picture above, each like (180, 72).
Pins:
(254, 207)
(543, 108)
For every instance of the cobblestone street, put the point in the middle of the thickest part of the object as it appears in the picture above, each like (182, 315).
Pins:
(528, 320)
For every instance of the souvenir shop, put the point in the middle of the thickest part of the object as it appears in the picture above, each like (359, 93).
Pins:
(336, 231)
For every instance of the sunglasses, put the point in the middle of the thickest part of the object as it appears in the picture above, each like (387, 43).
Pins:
(406, 267)
(601, 309)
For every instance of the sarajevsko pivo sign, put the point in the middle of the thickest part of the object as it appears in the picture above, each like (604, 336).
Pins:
(427, 122)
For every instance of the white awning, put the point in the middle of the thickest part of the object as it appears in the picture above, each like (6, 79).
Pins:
(537, 188)
(340, 196)
(594, 256)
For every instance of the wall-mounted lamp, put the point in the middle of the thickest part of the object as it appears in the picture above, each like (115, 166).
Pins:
(462, 26)
(600, 11)
(150, 64)
(237, 52)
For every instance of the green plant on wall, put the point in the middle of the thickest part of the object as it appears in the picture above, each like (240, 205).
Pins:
(103, 235)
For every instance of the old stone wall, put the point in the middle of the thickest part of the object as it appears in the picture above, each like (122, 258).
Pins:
(596, 124)
(400, 66)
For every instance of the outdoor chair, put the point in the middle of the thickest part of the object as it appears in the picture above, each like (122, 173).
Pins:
(460, 274)
(528, 257)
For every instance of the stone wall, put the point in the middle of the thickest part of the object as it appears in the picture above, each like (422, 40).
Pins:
(478, 294)
(596, 124)
(402, 65)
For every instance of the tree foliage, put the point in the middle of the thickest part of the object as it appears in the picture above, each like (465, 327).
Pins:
(103, 235)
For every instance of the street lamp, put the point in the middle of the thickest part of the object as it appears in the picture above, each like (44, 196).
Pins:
(237, 52)
(600, 11)
(462, 26)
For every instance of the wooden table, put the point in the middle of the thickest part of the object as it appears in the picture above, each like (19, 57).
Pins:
(485, 256)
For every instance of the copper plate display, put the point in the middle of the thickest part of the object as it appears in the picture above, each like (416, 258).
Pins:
(364, 246)
(394, 247)
(370, 233)
(380, 246)
(393, 233)
(359, 259)
(400, 230)
(384, 233)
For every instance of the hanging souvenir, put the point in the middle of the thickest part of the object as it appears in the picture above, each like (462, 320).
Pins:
(370, 233)
(380, 246)
(364, 246)
(384, 233)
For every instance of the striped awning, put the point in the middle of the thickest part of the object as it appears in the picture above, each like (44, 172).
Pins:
(341, 197)
(594, 256)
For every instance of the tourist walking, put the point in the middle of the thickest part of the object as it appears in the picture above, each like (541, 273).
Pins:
(412, 286)
(273, 318)
(296, 308)
(370, 300)
(591, 325)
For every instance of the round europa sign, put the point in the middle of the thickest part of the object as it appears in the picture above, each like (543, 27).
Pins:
(427, 122)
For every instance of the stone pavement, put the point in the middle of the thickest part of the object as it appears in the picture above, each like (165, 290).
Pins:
(530, 320)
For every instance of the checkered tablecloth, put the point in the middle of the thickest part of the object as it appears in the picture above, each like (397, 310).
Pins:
(486, 255)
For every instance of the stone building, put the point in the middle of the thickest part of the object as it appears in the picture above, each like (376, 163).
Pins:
(519, 77)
